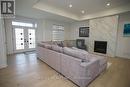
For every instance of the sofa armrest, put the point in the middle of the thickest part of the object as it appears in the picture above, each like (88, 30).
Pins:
(88, 71)
(87, 64)
(91, 68)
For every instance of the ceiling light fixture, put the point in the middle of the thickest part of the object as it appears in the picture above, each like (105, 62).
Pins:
(70, 5)
(82, 11)
(108, 4)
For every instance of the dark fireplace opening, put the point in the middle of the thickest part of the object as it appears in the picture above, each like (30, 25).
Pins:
(100, 47)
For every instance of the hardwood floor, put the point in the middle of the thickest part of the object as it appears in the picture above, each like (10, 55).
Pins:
(25, 70)
(118, 75)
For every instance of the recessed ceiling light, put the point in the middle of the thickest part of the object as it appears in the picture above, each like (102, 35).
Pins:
(70, 5)
(82, 11)
(108, 4)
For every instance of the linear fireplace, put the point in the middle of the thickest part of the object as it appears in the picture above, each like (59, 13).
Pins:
(100, 47)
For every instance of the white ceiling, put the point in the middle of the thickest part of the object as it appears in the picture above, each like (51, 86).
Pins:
(90, 6)
(59, 9)
(25, 8)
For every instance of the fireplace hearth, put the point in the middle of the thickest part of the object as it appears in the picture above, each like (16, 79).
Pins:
(100, 47)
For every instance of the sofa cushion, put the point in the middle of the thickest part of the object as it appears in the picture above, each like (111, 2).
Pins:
(102, 59)
(46, 45)
(75, 48)
(76, 53)
(60, 44)
(83, 51)
(40, 44)
(69, 43)
(57, 48)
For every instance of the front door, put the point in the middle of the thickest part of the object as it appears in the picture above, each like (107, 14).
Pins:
(24, 39)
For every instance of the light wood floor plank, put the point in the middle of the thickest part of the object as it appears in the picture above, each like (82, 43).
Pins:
(25, 70)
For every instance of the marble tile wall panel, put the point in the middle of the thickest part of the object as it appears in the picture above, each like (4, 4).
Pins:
(104, 29)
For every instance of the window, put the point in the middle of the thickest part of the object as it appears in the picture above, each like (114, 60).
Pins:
(19, 34)
(31, 38)
(58, 33)
(23, 24)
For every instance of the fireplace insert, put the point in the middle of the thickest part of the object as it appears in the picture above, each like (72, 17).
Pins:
(100, 47)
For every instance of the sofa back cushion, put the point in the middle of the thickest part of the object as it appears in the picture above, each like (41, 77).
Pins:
(57, 48)
(40, 44)
(48, 46)
(76, 53)
(83, 51)
(69, 43)
(45, 45)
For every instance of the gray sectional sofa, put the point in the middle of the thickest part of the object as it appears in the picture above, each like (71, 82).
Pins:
(77, 65)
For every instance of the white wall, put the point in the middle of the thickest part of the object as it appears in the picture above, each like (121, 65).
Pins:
(40, 33)
(9, 36)
(3, 59)
(75, 30)
(123, 43)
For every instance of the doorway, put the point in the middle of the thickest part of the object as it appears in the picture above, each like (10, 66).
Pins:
(24, 39)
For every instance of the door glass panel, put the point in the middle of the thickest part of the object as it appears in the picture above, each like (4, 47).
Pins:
(19, 35)
(31, 38)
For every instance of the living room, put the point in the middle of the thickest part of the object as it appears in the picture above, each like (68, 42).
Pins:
(97, 29)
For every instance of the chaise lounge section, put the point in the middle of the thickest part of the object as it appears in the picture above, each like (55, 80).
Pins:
(77, 65)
